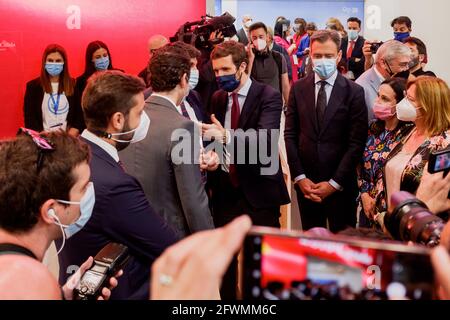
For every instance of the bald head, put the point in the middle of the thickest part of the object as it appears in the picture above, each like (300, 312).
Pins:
(156, 42)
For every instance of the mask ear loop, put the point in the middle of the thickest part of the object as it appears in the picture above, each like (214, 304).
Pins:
(58, 223)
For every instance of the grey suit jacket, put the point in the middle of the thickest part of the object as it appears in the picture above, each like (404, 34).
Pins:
(176, 191)
(370, 81)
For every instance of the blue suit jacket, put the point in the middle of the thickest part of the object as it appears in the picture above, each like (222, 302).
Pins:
(121, 214)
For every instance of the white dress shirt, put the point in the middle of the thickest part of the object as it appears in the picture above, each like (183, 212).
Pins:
(328, 89)
(109, 148)
(190, 111)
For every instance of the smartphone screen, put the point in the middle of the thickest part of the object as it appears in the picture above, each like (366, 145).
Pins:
(442, 162)
(279, 266)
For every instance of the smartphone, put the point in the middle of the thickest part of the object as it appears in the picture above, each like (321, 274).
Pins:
(375, 46)
(282, 265)
(439, 161)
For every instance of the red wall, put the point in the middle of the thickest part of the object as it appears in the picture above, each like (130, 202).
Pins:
(28, 26)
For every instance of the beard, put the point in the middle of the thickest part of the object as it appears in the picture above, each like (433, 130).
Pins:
(122, 145)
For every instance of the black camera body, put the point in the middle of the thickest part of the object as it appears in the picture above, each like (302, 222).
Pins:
(198, 33)
(412, 221)
(375, 46)
(107, 263)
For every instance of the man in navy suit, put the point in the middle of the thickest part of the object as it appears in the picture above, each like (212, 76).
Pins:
(352, 48)
(244, 187)
(325, 135)
(113, 104)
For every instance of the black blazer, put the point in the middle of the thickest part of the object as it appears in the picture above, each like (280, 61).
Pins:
(195, 101)
(262, 110)
(356, 67)
(32, 107)
(242, 36)
(335, 150)
(121, 214)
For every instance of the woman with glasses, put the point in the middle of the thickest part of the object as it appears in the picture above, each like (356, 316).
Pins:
(49, 99)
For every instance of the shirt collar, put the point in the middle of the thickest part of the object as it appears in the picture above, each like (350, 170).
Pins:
(245, 89)
(378, 73)
(331, 80)
(110, 149)
(168, 99)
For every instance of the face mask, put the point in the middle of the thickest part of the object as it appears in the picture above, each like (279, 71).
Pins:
(248, 24)
(406, 111)
(324, 68)
(400, 36)
(353, 34)
(382, 111)
(139, 133)
(260, 44)
(414, 62)
(193, 79)
(296, 27)
(54, 68)
(86, 204)
(403, 74)
(228, 82)
(102, 63)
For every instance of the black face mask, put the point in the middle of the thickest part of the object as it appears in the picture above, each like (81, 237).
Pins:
(402, 74)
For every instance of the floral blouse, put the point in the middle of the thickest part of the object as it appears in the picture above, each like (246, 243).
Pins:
(413, 172)
(379, 144)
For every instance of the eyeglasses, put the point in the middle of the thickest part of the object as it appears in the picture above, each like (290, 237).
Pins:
(43, 144)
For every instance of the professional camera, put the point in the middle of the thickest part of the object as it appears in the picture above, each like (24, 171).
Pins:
(197, 33)
(107, 263)
(412, 221)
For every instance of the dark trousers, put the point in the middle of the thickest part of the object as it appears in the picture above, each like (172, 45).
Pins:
(228, 203)
(339, 208)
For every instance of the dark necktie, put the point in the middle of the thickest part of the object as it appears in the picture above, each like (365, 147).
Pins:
(321, 103)
(184, 111)
(235, 114)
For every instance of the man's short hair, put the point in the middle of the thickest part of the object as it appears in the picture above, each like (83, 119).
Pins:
(233, 48)
(323, 36)
(421, 47)
(402, 20)
(354, 19)
(392, 49)
(257, 25)
(106, 93)
(311, 26)
(167, 67)
(192, 51)
(24, 188)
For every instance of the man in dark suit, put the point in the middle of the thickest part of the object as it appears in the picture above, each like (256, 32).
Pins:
(113, 106)
(166, 162)
(352, 48)
(254, 110)
(325, 135)
(242, 34)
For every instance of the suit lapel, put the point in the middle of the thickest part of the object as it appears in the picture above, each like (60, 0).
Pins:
(220, 108)
(251, 101)
(194, 104)
(337, 95)
(310, 100)
(99, 152)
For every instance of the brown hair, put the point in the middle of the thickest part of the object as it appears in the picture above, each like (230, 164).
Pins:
(433, 95)
(66, 83)
(324, 35)
(233, 48)
(23, 189)
(106, 93)
(167, 67)
(192, 51)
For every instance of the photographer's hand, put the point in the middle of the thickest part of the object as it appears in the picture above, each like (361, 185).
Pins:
(433, 190)
(73, 281)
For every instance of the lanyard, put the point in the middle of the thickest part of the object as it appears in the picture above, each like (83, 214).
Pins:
(55, 103)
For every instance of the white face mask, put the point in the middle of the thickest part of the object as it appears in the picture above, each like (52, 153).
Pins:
(248, 24)
(406, 110)
(86, 204)
(194, 77)
(139, 133)
(260, 44)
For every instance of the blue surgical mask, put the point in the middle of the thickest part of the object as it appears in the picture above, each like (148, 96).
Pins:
(102, 63)
(228, 82)
(400, 36)
(324, 68)
(54, 68)
(352, 35)
(193, 79)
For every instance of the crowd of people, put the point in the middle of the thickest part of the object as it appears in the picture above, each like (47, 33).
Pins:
(158, 161)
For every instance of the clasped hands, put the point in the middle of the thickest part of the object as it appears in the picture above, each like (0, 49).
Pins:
(316, 192)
